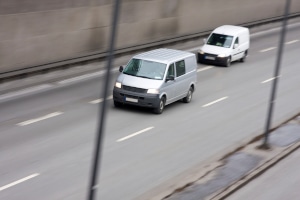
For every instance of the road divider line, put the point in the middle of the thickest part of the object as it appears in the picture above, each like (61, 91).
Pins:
(213, 102)
(100, 100)
(204, 68)
(18, 181)
(135, 134)
(31, 121)
(270, 79)
(292, 42)
(268, 49)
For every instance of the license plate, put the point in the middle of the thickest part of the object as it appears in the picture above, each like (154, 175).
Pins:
(131, 100)
(210, 58)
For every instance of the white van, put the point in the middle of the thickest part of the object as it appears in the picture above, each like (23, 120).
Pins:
(156, 78)
(224, 45)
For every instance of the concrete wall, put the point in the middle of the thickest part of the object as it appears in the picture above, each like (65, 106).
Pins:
(34, 32)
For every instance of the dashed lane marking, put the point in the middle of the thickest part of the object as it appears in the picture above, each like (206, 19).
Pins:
(31, 121)
(135, 134)
(18, 181)
(213, 102)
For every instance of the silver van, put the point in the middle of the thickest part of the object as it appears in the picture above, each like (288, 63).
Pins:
(156, 78)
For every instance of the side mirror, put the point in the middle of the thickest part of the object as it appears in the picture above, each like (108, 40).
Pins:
(170, 78)
(121, 69)
(235, 46)
(204, 40)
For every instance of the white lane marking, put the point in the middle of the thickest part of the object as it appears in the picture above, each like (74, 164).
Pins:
(25, 91)
(204, 68)
(193, 49)
(213, 102)
(100, 100)
(39, 119)
(18, 181)
(135, 134)
(291, 42)
(82, 77)
(268, 49)
(270, 79)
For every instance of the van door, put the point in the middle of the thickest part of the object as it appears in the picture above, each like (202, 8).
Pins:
(180, 79)
(236, 52)
(170, 85)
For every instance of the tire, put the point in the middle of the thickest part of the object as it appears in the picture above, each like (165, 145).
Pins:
(161, 106)
(189, 96)
(117, 104)
(243, 59)
(227, 62)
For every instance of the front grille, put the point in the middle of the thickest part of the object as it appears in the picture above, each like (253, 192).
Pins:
(212, 55)
(134, 89)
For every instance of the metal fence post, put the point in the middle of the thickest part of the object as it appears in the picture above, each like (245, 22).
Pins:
(102, 112)
(265, 144)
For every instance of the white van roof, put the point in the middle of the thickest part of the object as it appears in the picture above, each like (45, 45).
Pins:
(230, 30)
(163, 55)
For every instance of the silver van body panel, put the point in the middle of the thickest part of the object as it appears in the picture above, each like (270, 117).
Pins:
(173, 90)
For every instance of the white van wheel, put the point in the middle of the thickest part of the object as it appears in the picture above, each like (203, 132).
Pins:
(161, 106)
(189, 96)
(228, 62)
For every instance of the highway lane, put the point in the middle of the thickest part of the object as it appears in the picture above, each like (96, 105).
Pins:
(184, 136)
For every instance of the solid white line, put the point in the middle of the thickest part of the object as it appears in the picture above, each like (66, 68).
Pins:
(270, 79)
(82, 77)
(216, 101)
(25, 91)
(39, 119)
(268, 49)
(291, 42)
(18, 181)
(135, 134)
(100, 100)
(204, 68)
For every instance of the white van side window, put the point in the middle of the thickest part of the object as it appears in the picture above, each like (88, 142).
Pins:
(180, 68)
(236, 41)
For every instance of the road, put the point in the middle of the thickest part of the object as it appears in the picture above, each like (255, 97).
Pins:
(280, 182)
(47, 138)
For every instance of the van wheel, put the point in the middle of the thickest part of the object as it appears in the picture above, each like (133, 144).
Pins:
(117, 104)
(161, 106)
(189, 96)
(243, 59)
(228, 62)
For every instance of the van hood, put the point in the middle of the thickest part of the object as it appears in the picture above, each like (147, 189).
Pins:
(139, 82)
(211, 49)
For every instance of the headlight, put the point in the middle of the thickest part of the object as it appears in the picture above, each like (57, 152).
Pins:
(201, 52)
(153, 91)
(221, 55)
(118, 85)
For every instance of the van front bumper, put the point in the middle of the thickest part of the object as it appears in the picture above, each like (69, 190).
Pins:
(211, 58)
(134, 98)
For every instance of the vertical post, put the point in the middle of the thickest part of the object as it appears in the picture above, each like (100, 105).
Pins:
(265, 144)
(102, 112)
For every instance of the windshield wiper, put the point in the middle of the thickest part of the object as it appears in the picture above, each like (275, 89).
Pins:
(144, 77)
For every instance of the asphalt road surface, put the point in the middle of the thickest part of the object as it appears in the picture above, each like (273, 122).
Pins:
(47, 137)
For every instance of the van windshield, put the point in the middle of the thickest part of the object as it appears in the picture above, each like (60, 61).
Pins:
(220, 40)
(145, 69)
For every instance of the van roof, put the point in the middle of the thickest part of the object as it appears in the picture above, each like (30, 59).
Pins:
(163, 55)
(230, 30)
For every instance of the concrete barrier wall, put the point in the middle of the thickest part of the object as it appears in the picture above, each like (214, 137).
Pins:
(35, 32)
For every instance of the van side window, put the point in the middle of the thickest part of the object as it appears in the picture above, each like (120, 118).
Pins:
(236, 41)
(180, 68)
(171, 71)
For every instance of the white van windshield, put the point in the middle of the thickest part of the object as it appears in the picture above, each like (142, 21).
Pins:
(220, 40)
(145, 69)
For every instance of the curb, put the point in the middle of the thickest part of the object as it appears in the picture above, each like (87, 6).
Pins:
(226, 192)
